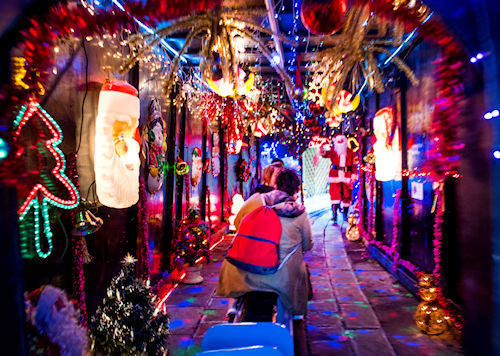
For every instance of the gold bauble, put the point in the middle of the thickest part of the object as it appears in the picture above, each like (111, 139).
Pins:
(369, 158)
(352, 233)
(426, 281)
(430, 318)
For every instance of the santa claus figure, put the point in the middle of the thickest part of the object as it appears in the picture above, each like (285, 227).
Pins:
(343, 173)
(116, 157)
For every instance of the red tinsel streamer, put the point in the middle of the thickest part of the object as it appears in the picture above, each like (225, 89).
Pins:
(187, 187)
(64, 20)
(449, 311)
(209, 210)
(76, 243)
(143, 230)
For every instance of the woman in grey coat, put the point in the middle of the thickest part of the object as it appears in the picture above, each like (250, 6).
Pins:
(291, 281)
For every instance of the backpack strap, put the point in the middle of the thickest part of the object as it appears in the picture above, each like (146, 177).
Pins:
(288, 256)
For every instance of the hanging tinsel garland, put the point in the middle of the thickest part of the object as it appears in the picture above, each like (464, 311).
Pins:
(351, 62)
(143, 230)
(76, 243)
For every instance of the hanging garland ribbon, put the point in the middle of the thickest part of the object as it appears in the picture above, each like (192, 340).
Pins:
(143, 229)
(76, 243)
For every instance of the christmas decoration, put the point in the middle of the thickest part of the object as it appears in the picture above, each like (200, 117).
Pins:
(215, 155)
(143, 231)
(242, 170)
(52, 324)
(323, 17)
(67, 20)
(196, 166)
(181, 167)
(430, 317)
(116, 157)
(352, 62)
(79, 250)
(156, 147)
(127, 322)
(190, 241)
(387, 148)
(352, 232)
(221, 32)
(343, 173)
(38, 186)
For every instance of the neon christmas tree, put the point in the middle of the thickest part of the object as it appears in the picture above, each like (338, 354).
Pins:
(39, 186)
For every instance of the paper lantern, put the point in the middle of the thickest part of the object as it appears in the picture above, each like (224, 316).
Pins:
(116, 157)
(323, 17)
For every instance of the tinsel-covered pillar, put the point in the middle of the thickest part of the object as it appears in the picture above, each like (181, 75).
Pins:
(168, 199)
(77, 248)
(180, 153)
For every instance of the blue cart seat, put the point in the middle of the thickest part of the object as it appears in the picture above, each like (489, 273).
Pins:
(258, 350)
(227, 336)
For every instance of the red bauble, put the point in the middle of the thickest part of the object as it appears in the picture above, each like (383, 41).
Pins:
(323, 17)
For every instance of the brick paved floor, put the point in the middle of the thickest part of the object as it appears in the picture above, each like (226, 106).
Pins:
(357, 309)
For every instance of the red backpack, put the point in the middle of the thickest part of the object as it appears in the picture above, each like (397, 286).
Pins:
(255, 247)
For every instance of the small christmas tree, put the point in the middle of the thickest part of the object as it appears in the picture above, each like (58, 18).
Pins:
(191, 240)
(128, 323)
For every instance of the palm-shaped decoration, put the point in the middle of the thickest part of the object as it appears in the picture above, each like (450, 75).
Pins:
(220, 30)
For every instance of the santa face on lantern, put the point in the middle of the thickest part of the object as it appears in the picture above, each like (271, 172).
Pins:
(343, 173)
(116, 158)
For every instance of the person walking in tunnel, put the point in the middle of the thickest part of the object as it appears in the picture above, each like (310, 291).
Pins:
(268, 180)
(291, 281)
(343, 174)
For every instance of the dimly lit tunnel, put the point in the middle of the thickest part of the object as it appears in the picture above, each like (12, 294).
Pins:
(253, 177)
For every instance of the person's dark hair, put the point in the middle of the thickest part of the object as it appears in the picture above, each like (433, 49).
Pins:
(288, 181)
(277, 162)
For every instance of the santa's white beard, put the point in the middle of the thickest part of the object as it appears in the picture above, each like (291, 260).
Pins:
(117, 186)
(340, 148)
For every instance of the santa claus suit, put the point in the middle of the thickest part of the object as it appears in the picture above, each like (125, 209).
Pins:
(343, 172)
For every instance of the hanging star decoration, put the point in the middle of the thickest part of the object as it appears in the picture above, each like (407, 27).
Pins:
(221, 31)
(40, 183)
(352, 62)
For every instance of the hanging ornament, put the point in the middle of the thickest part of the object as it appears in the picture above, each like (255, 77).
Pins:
(243, 170)
(430, 317)
(117, 145)
(156, 147)
(333, 120)
(196, 166)
(225, 87)
(181, 167)
(43, 178)
(323, 17)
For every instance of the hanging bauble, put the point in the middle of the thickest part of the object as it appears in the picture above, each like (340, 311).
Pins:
(323, 17)
(315, 108)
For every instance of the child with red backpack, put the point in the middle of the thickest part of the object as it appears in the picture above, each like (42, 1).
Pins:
(267, 252)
